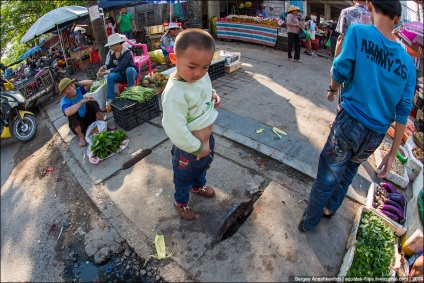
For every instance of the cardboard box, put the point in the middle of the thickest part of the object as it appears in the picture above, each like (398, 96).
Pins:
(397, 228)
(351, 245)
(401, 181)
(412, 240)
(351, 241)
(232, 67)
(156, 29)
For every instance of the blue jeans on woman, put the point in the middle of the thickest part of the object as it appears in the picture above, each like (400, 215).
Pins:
(189, 172)
(113, 78)
(349, 144)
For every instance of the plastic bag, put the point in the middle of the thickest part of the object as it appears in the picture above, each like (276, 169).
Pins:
(302, 34)
(307, 35)
(157, 56)
(91, 130)
(328, 43)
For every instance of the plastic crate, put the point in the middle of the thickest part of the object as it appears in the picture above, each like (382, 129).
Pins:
(217, 70)
(137, 51)
(130, 113)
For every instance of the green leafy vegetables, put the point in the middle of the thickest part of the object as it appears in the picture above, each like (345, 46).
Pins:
(98, 83)
(375, 249)
(138, 93)
(107, 142)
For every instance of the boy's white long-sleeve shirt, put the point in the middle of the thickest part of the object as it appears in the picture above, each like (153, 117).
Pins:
(187, 107)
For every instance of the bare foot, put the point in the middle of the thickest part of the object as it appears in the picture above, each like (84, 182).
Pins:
(111, 127)
(82, 142)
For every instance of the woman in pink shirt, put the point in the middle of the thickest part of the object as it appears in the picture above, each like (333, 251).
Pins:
(293, 28)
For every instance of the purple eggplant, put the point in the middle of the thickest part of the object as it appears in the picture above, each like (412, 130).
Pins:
(389, 188)
(395, 204)
(392, 209)
(397, 197)
(390, 214)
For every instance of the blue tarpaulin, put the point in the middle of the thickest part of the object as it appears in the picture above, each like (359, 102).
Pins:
(106, 4)
(29, 53)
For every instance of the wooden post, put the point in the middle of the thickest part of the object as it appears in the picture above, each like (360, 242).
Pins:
(99, 30)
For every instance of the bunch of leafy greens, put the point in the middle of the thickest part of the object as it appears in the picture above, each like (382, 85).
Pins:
(138, 93)
(107, 142)
(375, 249)
(98, 83)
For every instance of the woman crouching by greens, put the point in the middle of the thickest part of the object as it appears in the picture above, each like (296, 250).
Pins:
(120, 67)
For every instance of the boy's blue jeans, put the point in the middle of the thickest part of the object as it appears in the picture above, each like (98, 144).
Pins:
(349, 144)
(113, 78)
(189, 172)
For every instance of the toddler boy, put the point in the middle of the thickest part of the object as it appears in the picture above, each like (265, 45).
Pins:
(188, 115)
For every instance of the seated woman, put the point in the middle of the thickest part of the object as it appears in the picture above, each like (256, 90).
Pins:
(81, 111)
(260, 12)
(168, 39)
(120, 67)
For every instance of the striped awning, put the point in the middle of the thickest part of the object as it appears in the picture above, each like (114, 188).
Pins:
(247, 32)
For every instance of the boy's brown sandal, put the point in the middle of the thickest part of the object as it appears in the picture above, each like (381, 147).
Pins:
(186, 212)
(205, 191)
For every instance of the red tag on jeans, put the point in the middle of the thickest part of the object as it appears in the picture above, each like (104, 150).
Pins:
(182, 163)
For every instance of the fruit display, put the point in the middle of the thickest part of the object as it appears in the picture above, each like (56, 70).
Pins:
(248, 4)
(243, 19)
(157, 81)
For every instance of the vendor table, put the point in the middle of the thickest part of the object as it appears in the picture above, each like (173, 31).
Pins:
(82, 57)
(247, 32)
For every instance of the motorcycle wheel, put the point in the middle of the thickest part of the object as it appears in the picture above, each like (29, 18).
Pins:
(26, 130)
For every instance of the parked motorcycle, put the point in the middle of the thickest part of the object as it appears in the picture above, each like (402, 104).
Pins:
(15, 120)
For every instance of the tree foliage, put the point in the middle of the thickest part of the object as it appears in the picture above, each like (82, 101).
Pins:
(17, 16)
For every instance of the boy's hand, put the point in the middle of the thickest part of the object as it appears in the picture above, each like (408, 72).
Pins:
(387, 164)
(330, 95)
(217, 100)
(205, 152)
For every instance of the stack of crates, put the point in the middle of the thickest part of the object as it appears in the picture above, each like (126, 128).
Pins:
(217, 70)
(130, 113)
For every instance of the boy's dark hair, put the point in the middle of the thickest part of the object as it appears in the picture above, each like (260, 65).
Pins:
(307, 18)
(195, 37)
(390, 8)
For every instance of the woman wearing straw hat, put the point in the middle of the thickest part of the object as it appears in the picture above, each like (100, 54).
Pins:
(120, 67)
(168, 39)
(293, 28)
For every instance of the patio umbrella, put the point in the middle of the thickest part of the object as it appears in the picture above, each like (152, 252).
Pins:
(54, 19)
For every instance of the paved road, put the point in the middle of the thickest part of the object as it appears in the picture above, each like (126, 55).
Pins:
(249, 231)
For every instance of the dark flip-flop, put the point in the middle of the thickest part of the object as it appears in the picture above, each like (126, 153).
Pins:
(327, 216)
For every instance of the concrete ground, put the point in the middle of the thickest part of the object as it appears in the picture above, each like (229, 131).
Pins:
(259, 177)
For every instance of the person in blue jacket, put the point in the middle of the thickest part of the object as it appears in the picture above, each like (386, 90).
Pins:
(260, 12)
(380, 80)
(120, 66)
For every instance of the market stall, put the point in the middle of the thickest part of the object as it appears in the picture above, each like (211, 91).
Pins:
(250, 29)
